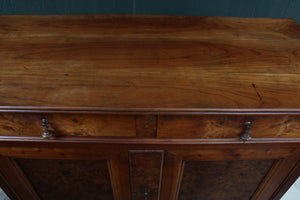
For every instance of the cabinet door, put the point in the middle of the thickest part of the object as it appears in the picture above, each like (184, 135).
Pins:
(165, 169)
(227, 171)
(67, 173)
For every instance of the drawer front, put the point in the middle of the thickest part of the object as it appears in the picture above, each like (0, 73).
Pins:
(16, 124)
(189, 127)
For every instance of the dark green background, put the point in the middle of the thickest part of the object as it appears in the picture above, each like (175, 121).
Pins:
(235, 8)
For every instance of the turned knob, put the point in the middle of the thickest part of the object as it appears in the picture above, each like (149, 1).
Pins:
(47, 134)
(246, 134)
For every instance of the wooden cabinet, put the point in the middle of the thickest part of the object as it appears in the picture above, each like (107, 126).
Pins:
(148, 107)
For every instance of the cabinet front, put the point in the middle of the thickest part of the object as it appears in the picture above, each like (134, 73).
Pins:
(141, 171)
(148, 157)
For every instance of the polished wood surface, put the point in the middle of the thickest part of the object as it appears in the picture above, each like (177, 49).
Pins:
(169, 26)
(149, 107)
(149, 62)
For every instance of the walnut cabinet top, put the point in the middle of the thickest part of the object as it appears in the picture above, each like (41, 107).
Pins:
(123, 63)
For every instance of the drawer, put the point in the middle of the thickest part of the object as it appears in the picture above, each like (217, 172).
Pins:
(189, 127)
(19, 124)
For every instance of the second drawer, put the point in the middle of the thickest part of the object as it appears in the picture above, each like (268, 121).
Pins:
(212, 126)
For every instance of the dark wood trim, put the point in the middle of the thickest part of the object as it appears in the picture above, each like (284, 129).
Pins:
(172, 175)
(266, 180)
(288, 182)
(278, 174)
(105, 147)
(17, 180)
(233, 153)
(179, 180)
(144, 141)
(161, 173)
(23, 178)
(119, 174)
(151, 111)
(80, 153)
(9, 191)
(204, 154)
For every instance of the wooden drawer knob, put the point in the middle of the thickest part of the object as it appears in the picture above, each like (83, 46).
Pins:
(246, 133)
(47, 134)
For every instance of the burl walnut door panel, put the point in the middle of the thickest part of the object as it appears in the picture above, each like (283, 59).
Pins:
(235, 172)
(222, 180)
(68, 179)
(67, 173)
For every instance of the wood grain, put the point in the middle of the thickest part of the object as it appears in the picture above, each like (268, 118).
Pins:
(162, 62)
(227, 126)
(147, 26)
(68, 125)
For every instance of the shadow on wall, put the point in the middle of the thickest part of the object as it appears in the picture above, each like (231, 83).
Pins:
(233, 8)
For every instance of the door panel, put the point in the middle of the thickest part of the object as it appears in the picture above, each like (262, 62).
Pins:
(168, 169)
(222, 180)
(250, 172)
(73, 174)
(68, 179)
